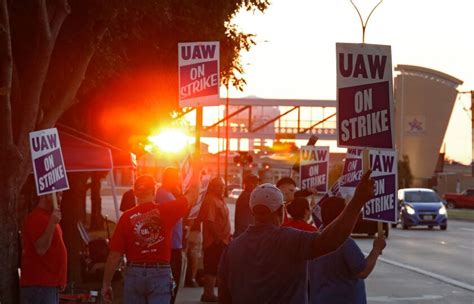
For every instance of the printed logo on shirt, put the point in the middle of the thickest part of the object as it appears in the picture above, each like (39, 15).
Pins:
(148, 229)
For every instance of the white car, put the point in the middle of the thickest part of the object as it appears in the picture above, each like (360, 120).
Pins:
(235, 193)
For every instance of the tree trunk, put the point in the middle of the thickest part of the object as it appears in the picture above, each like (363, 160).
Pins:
(9, 243)
(97, 220)
(71, 205)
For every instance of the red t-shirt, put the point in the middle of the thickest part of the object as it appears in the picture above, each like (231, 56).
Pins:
(143, 233)
(49, 269)
(300, 225)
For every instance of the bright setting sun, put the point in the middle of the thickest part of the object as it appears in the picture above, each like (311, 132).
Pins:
(169, 140)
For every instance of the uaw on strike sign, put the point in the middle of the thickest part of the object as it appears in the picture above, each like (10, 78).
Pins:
(48, 163)
(383, 207)
(314, 162)
(364, 96)
(198, 74)
(351, 172)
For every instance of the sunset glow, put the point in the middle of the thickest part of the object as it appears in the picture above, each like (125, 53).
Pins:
(170, 140)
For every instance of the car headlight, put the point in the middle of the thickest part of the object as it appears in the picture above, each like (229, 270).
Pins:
(410, 210)
(442, 210)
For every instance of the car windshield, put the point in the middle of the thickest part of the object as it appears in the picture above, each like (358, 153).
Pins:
(421, 197)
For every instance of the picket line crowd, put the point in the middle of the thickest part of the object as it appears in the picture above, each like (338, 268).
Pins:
(276, 254)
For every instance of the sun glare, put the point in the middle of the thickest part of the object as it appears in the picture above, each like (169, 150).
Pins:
(169, 140)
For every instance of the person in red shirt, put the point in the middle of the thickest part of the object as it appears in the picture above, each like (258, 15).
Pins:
(143, 235)
(44, 255)
(216, 234)
(300, 213)
(288, 188)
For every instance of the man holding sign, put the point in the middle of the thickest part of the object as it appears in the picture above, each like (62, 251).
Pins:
(44, 255)
(339, 277)
(143, 235)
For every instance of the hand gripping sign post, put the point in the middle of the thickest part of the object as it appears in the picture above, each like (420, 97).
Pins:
(383, 207)
(314, 163)
(48, 163)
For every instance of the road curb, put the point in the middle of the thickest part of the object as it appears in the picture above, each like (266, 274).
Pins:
(433, 275)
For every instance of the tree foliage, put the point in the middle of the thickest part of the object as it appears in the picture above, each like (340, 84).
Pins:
(132, 83)
(56, 53)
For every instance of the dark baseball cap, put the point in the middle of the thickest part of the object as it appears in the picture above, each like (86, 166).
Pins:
(251, 178)
(143, 184)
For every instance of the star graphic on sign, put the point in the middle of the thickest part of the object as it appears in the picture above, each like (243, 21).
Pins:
(416, 125)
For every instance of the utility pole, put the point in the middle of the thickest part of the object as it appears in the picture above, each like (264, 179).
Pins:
(197, 151)
(472, 127)
(226, 164)
(472, 134)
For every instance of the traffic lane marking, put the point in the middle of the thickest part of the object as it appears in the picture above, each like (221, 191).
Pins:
(395, 299)
(466, 229)
(433, 275)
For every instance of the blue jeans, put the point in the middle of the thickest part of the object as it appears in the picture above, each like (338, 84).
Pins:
(39, 295)
(147, 285)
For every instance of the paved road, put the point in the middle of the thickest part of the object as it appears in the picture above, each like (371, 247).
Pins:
(387, 284)
(448, 253)
(443, 261)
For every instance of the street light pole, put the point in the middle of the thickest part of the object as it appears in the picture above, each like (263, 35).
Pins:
(226, 164)
(472, 133)
(197, 151)
(472, 128)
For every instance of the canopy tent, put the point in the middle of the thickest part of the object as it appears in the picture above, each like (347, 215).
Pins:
(120, 158)
(82, 155)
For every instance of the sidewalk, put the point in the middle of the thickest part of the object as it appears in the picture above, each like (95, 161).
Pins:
(189, 295)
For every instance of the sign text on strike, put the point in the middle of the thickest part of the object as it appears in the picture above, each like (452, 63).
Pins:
(367, 123)
(380, 203)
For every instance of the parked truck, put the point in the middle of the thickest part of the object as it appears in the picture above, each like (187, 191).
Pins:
(464, 199)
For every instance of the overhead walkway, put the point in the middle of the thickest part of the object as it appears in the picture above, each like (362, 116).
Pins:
(274, 119)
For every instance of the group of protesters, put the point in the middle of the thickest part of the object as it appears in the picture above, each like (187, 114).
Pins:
(275, 255)
(281, 257)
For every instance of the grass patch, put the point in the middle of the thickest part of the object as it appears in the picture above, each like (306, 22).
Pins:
(461, 214)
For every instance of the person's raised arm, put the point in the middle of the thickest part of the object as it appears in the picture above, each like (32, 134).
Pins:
(371, 260)
(340, 229)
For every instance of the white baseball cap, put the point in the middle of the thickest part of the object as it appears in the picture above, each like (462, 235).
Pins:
(266, 195)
